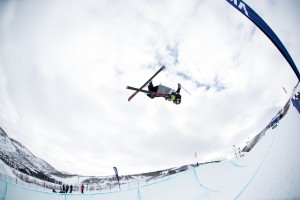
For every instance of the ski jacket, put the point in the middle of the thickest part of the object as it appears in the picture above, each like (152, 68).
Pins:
(166, 90)
(173, 95)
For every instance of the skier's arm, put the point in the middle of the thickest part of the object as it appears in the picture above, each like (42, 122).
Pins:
(178, 89)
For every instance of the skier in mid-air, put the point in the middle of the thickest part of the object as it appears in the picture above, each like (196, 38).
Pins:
(158, 91)
(172, 95)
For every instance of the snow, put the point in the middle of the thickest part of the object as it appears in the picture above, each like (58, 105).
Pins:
(19, 154)
(4, 169)
(23, 150)
(6, 143)
(269, 171)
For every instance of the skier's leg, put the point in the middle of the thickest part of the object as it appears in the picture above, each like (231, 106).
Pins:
(151, 96)
(150, 87)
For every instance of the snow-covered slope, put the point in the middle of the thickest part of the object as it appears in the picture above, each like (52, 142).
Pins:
(6, 145)
(278, 175)
(5, 169)
(18, 154)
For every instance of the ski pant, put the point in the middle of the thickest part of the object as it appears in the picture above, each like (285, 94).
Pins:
(152, 88)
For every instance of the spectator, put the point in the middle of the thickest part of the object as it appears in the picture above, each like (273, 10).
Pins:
(64, 188)
(82, 188)
(71, 188)
(67, 188)
(297, 96)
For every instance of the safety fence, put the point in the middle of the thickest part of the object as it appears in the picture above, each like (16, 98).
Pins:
(33, 183)
(27, 181)
(12, 191)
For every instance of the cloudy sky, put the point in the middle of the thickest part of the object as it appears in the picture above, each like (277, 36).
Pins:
(64, 67)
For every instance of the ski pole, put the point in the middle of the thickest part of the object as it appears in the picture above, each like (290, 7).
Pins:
(186, 90)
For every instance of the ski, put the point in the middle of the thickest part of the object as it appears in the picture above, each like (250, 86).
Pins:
(136, 91)
(156, 94)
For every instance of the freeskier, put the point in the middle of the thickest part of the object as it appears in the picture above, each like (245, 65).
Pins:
(158, 91)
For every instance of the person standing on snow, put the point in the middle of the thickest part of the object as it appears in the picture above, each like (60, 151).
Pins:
(174, 96)
(297, 96)
(82, 188)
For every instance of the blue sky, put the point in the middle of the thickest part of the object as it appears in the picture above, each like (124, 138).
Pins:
(64, 67)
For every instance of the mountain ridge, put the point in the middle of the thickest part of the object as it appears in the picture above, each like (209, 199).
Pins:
(15, 152)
